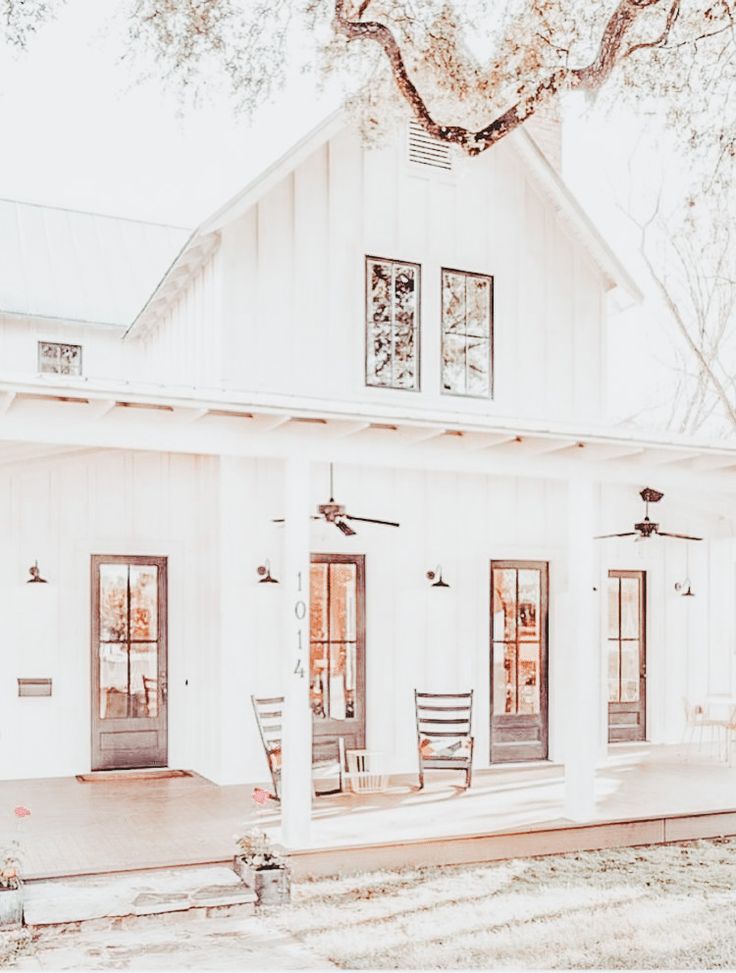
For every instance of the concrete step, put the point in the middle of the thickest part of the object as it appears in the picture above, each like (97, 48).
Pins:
(135, 894)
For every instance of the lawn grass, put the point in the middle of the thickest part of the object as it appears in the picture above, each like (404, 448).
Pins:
(671, 906)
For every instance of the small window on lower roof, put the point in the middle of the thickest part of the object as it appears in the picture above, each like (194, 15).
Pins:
(55, 358)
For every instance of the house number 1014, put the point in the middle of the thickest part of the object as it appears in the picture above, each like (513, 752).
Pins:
(300, 613)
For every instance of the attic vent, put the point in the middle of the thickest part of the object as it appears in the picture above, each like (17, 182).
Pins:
(428, 151)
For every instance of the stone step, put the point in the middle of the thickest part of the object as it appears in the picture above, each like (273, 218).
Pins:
(145, 893)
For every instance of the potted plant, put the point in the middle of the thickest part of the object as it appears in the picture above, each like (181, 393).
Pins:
(11, 889)
(262, 869)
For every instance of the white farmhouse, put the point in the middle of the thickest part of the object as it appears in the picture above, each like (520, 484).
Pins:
(394, 334)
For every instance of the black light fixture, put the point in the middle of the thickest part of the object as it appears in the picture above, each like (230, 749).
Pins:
(685, 588)
(437, 574)
(264, 570)
(35, 575)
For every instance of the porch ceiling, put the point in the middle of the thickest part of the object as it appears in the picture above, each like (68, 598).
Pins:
(66, 414)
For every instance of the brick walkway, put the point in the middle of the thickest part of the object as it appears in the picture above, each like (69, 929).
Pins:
(76, 828)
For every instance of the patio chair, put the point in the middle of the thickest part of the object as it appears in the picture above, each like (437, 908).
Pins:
(697, 721)
(444, 738)
(269, 713)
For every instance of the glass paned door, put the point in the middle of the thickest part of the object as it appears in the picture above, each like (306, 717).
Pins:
(626, 656)
(519, 600)
(129, 725)
(337, 650)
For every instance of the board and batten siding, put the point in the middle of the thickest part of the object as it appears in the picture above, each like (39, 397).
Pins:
(212, 517)
(185, 345)
(104, 354)
(59, 512)
(281, 306)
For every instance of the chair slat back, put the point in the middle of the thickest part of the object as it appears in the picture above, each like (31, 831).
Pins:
(269, 717)
(444, 714)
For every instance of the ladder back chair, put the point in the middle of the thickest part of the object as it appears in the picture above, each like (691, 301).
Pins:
(269, 713)
(444, 732)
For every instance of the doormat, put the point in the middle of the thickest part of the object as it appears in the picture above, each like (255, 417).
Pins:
(163, 773)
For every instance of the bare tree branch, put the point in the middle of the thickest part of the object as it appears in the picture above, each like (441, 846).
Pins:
(591, 76)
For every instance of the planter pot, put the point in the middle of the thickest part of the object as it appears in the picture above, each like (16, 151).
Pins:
(271, 885)
(11, 908)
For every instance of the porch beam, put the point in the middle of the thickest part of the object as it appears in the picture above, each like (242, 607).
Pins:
(582, 633)
(296, 773)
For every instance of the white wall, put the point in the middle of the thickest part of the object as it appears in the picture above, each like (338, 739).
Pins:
(60, 512)
(212, 518)
(281, 307)
(104, 354)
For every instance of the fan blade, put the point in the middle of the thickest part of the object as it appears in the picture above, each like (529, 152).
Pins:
(345, 528)
(282, 520)
(628, 533)
(682, 537)
(372, 520)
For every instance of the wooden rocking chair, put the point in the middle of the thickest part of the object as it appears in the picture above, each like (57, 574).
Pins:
(444, 740)
(269, 713)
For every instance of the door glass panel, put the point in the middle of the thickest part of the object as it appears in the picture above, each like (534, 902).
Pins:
(334, 632)
(504, 678)
(529, 677)
(528, 618)
(113, 680)
(318, 678)
(318, 603)
(113, 602)
(613, 608)
(624, 623)
(629, 672)
(128, 624)
(143, 602)
(504, 603)
(613, 664)
(342, 602)
(629, 608)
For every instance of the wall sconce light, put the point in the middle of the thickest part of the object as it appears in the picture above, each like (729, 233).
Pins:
(437, 573)
(685, 588)
(264, 570)
(35, 575)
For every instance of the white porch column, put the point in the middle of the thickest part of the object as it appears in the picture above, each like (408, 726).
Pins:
(582, 659)
(296, 773)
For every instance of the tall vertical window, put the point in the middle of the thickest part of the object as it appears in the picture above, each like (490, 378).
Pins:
(467, 333)
(59, 359)
(392, 324)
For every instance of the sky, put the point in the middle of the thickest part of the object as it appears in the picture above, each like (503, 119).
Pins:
(82, 131)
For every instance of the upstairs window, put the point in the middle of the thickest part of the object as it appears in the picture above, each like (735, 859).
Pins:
(467, 333)
(58, 359)
(392, 324)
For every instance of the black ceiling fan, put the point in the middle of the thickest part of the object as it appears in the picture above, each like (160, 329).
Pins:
(335, 513)
(648, 528)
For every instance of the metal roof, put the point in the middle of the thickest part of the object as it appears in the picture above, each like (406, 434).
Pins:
(80, 267)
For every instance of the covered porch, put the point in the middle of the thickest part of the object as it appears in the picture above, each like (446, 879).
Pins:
(644, 794)
(195, 484)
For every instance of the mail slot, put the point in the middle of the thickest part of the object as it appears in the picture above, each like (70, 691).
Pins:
(34, 687)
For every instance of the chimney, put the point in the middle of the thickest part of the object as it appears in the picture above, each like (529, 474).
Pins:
(545, 127)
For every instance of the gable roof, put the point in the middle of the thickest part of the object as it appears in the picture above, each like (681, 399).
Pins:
(80, 267)
(539, 169)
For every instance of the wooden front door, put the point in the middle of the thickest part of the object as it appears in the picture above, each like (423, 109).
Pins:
(519, 610)
(129, 692)
(337, 652)
(627, 656)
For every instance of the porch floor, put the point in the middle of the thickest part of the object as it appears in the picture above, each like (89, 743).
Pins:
(78, 828)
